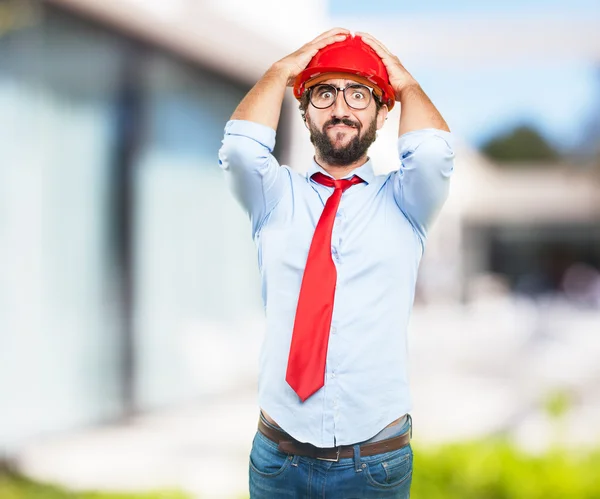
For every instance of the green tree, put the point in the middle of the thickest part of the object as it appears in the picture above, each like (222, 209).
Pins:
(523, 143)
(589, 147)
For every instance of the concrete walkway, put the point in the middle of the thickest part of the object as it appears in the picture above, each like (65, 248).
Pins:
(166, 450)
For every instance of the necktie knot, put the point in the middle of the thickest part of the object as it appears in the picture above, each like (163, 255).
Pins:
(342, 184)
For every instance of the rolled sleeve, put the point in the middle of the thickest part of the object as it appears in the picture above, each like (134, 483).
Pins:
(421, 184)
(251, 171)
(263, 135)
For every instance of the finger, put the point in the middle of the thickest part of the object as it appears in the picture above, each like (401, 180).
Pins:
(378, 47)
(372, 42)
(318, 45)
(363, 34)
(332, 39)
(331, 32)
(311, 49)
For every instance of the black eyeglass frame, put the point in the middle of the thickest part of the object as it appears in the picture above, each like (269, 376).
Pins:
(343, 89)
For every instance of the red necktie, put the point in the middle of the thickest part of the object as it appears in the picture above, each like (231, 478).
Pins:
(310, 338)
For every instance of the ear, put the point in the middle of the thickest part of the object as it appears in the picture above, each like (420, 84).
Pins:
(382, 116)
(306, 118)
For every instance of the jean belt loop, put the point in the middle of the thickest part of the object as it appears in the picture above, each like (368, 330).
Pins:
(357, 465)
(410, 424)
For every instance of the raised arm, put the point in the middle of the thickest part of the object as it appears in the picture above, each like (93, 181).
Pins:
(424, 146)
(251, 171)
(263, 103)
(417, 111)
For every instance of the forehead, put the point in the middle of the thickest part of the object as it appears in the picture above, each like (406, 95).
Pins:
(340, 82)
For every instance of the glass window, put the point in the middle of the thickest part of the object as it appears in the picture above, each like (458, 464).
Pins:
(196, 278)
(59, 362)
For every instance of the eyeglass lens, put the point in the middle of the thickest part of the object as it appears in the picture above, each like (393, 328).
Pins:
(357, 96)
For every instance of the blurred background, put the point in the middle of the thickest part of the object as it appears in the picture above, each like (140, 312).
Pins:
(130, 313)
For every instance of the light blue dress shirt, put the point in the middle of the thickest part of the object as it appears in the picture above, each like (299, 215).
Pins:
(378, 239)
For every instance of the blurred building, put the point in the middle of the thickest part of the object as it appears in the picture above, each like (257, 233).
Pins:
(129, 279)
(519, 228)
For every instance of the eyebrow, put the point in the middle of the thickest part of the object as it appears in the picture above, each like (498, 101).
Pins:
(347, 82)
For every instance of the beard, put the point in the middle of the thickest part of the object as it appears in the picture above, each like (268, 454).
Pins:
(342, 155)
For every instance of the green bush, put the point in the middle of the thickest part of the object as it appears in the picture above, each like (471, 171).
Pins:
(496, 470)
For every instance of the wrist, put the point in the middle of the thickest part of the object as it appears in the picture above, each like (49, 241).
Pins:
(279, 72)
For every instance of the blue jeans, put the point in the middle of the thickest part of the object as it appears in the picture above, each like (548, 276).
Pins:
(274, 474)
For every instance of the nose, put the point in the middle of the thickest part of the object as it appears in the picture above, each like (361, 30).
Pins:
(339, 109)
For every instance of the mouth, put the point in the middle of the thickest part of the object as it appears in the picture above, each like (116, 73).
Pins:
(341, 127)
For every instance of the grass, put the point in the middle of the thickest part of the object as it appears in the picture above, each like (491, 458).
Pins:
(15, 486)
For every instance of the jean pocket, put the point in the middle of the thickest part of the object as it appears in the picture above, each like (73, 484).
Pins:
(265, 459)
(392, 470)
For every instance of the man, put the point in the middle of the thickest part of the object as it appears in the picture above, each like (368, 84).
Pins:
(339, 250)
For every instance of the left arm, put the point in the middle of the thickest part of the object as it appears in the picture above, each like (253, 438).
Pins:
(421, 185)
(417, 111)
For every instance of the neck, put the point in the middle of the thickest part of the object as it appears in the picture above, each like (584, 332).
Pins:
(340, 171)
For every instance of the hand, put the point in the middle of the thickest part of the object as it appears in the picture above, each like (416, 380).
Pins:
(293, 64)
(399, 77)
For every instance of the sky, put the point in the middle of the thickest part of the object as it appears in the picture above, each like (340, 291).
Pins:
(483, 102)
(386, 7)
(479, 102)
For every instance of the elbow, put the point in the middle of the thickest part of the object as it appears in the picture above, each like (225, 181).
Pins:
(436, 155)
(241, 153)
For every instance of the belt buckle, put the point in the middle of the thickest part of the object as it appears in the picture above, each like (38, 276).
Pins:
(337, 458)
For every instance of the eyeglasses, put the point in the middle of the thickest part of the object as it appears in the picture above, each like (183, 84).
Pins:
(357, 96)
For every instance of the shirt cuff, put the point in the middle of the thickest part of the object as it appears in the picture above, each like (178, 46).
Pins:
(260, 133)
(409, 141)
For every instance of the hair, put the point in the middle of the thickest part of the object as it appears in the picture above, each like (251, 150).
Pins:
(305, 101)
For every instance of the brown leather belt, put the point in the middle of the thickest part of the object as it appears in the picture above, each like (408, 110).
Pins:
(287, 444)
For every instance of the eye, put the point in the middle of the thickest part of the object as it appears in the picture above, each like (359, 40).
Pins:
(358, 92)
(324, 92)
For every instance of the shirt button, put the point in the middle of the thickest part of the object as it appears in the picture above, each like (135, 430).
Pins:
(333, 375)
(333, 330)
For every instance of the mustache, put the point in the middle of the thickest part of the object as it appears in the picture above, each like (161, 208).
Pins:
(340, 121)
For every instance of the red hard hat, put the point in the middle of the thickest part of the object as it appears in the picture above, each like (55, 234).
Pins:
(352, 56)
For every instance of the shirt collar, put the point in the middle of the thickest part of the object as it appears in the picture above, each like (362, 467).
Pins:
(365, 172)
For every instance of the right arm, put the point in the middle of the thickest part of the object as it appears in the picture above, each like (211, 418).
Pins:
(263, 103)
(251, 171)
